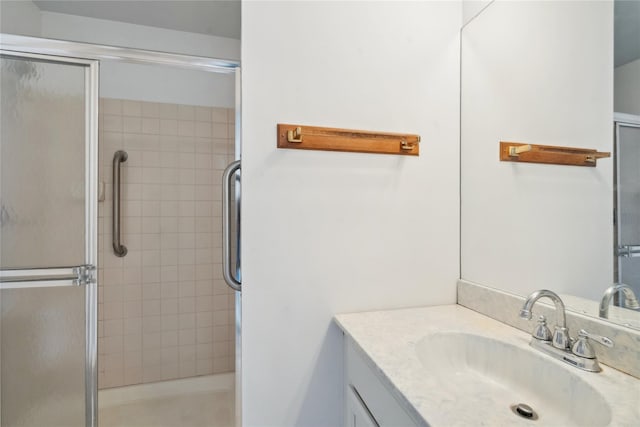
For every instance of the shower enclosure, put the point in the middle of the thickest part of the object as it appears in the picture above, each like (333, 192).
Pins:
(165, 313)
(79, 311)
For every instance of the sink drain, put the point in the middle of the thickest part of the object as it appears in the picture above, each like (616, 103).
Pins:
(524, 411)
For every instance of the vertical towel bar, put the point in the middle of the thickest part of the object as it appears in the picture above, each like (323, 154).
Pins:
(118, 248)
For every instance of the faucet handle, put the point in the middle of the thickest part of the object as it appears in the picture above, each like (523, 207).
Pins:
(607, 342)
(561, 338)
(582, 348)
(541, 331)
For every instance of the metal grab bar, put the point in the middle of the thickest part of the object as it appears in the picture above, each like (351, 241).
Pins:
(118, 248)
(228, 175)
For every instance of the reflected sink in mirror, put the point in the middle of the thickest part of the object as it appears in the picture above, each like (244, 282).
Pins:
(499, 375)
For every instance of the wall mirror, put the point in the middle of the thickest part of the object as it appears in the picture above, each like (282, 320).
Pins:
(547, 73)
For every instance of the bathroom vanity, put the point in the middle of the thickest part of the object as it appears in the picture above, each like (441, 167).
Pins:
(370, 401)
(448, 365)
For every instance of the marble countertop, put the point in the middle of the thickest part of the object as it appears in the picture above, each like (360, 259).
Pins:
(388, 341)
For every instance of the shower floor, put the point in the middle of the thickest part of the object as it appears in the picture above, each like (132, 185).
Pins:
(191, 402)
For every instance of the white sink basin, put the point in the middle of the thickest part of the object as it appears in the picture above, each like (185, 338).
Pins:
(496, 375)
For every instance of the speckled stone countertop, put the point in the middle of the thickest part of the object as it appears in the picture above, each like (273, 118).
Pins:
(388, 340)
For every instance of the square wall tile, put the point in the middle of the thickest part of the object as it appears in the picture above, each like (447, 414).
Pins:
(164, 311)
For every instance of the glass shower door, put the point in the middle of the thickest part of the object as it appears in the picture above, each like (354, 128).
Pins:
(628, 204)
(47, 240)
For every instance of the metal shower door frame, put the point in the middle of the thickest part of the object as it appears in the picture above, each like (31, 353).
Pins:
(94, 53)
(83, 275)
(629, 121)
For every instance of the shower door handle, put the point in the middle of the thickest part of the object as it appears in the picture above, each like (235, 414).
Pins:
(118, 248)
(47, 277)
(229, 173)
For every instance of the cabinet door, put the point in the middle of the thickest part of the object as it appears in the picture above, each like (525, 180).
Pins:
(357, 413)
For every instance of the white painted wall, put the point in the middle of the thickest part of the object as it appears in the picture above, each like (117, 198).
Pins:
(542, 73)
(627, 88)
(100, 31)
(19, 17)
(327, 232)
(151, 83)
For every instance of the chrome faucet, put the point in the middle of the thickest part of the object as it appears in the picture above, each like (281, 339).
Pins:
(560, 345)
(629, 299)
(560, 338)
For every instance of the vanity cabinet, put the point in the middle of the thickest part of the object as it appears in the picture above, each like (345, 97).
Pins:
(369, 401)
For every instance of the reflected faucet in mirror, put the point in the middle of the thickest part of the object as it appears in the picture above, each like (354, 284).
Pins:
(627, 299)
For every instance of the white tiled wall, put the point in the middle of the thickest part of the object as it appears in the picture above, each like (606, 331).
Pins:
(164, 309)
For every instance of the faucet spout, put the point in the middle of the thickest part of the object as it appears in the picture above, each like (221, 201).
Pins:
(629, 299)
(525, 312)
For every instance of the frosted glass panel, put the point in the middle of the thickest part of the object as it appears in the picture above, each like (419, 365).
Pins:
(43, 357)
(42, 157)
(42, 225)
(629, 202)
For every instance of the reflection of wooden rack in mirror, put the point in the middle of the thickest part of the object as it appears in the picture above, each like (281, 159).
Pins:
(549, 154)
(332, 139)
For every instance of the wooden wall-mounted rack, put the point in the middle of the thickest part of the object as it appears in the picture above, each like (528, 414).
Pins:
(530, 153)
(332, 139)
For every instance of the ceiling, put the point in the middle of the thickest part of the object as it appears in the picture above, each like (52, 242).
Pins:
(212, 17)
(627, 31)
